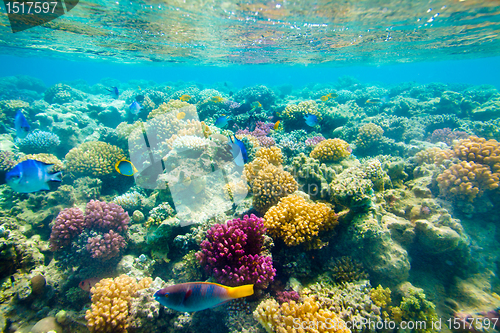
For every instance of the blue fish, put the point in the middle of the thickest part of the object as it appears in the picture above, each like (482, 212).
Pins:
(31, 176)
(21, 125)
(114, 92)
(311, 119)
(222, 121)
(197, 296)
(125, 167)
(135, 107)
(238, 149)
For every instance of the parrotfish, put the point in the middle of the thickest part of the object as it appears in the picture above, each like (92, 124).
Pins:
(125, 167)
(114, 92)
(222, 121)
(31, 176)
(311, 119)
(21, 125)
(238, 149)
(135, 107)
(197, 296)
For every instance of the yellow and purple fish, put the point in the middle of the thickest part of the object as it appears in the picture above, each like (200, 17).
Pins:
(197, 296)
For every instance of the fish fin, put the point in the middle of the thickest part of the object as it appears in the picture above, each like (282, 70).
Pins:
(241, 291)
(55, 177)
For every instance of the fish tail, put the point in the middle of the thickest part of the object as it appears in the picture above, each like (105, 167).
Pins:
(241, 291)
(56, 177)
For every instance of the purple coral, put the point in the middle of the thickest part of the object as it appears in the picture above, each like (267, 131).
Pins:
(261, 129)
(311, 142)
(266, 141)
(231, 253)
(69, 224)
(106, 216)
(106, 246)
(447, 136)
(286, 296)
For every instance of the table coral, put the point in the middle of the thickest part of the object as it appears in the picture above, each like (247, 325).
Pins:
(331, 150)
(271, 184)
(111, 302)
(297, 221)
(232, 253)
(93, 158)
(308, 314)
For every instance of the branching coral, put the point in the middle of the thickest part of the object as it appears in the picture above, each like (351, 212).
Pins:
(467, 180)
(231, 253)
(295, 113)
(416, 308)
(273, 155)
(369, 135)
(479, 150)
(331, 150)
(307, 314)
(111, 300)
(347, 269)
(38, 141)
(297, 221)
(271, 184)
(93, 158)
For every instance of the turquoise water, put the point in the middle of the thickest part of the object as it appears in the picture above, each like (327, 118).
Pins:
(336, 163)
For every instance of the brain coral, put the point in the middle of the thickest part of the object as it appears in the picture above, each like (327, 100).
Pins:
(94, 158)
(331, 150)
(271, 184)
(282, 319)
(297, 221)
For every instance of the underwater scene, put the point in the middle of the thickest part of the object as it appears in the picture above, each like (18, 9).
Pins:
(250, 166)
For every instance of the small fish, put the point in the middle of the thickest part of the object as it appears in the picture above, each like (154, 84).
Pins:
(21, 125)
(139, 88)
(125, 167)
(324, 98)
(276, 125)
(31, 176)
(231, 93)
(382, 100)
(181, 115)
(238, 149)
(139, 98)
(114, 92)
(332, 95)
(135, 107)
(256, 105)
(216, 99)
(222, 121)
(87, 284)
(185, 98)
(197, 296)
(311, 119)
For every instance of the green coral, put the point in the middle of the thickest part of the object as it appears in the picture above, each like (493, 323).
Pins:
(414, 307)
(369, 136)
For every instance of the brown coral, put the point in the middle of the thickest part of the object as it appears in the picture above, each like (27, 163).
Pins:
(93, 158)
(479, 150)
(297, 221)
(467, 180)
(369, 135)
(272, 154)
(331, 150)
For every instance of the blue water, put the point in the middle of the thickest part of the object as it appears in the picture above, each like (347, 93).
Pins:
(470, 71)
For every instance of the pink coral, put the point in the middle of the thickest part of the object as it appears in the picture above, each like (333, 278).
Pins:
(106, 216)
(69, 224)
(106, 246)
(311, 142)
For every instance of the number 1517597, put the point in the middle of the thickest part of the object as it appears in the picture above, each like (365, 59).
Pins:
(30, 7)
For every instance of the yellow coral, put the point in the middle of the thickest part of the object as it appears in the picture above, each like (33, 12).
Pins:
(294, 113)
(94, 158)
(111, 302)
(45, 158)
(479, 150)
(369, 134)
(293, 317)
(433, 155)
(173, 104)
(331, 150)
(272, 154)
(380, 296)
(297, 221)
(252, 169)
(271, 184)
(467, 180)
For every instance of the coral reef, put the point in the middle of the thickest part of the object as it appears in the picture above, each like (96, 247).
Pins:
(232, 253)
(369, 136)
(331, 150)
(296, 221)
(38, 142)
(93, 158)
